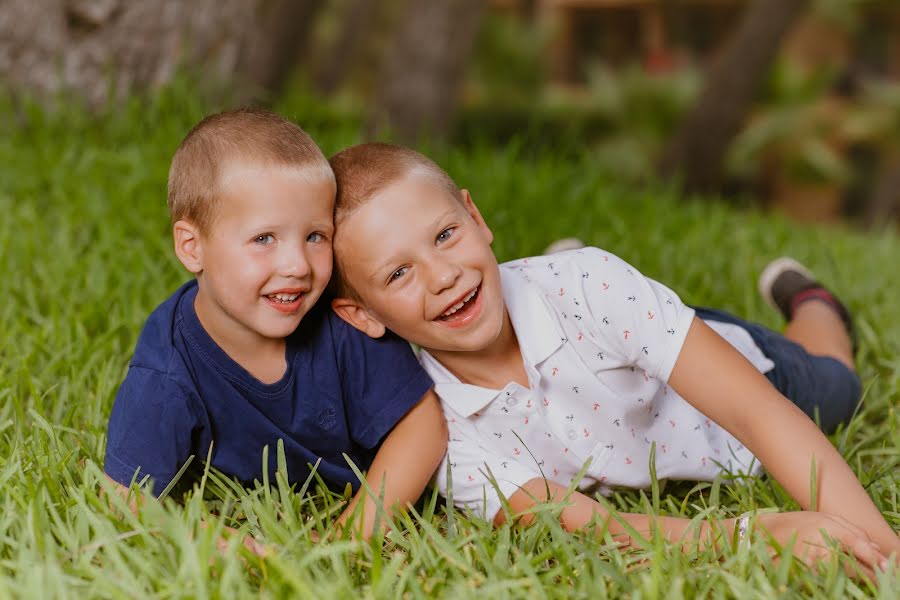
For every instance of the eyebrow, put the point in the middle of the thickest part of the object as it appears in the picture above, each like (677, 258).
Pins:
(436, 223)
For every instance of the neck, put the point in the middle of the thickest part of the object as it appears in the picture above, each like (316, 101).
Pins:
(491, 367)
(262, 357)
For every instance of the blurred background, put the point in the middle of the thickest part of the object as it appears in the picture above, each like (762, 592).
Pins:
(792, 105)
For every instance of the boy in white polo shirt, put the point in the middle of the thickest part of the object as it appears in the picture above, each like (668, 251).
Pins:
(546, 363)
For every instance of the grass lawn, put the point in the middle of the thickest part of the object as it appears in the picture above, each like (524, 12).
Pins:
(85, 253)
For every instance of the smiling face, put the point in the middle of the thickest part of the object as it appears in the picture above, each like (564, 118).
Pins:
(421, 263)
(266, 257)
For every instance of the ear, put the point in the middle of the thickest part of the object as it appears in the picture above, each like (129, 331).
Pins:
(356, 315)
(188, 246)
(476, 216)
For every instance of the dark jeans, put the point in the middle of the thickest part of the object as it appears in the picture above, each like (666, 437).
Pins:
(821, 386)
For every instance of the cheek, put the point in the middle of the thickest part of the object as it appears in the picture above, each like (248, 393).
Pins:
(323, 261)
(250, 267)
(397, 311)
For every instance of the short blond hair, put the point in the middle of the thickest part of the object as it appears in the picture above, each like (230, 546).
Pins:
(364, 170)
(243, 135)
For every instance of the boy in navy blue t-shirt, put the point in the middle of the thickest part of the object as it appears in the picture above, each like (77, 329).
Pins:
(243, 356)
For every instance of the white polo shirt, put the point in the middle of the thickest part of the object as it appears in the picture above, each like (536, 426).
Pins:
(599, 341)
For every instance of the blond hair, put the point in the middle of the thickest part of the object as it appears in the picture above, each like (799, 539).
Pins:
(244, 135)
(361, 172)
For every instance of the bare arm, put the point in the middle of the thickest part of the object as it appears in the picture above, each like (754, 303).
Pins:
(405, 463)
(134, 500)
(579, 511)
(723, 385)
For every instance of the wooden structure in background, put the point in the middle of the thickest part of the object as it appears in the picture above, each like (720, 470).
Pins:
(665, 34)
(660, 34)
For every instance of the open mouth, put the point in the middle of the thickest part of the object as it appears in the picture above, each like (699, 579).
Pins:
(284, 301)
(283, 298)
(461, 309)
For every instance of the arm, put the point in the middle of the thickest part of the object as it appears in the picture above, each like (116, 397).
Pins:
(580, 511)
(720, 383)
(151, 424)
(135, 500)
(404, 464)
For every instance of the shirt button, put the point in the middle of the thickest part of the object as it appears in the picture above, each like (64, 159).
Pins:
(572, 434)
(511, 400)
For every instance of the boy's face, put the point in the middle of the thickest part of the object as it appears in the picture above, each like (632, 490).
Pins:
(421, 262)
(266, 257)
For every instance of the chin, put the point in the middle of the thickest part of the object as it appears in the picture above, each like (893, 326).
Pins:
(280, 330)
(476, 340)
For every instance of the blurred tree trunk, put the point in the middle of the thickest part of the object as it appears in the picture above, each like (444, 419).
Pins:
(277, 38)
(102, 49)
(697, 149)
(883, 209)
(528, 9)
(420, 81)
(355, 22)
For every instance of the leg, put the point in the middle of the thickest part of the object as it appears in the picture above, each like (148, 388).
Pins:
(818, 383)
(814, 360)
(818, 328)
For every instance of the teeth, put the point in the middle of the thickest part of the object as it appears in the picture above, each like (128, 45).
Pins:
(460, 304)
(286, 298)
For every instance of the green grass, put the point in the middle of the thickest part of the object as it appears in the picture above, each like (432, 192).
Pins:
(85, 255)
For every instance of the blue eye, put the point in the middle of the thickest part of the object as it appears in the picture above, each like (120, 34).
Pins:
(264, 239)
(398, 274)
(315, 238)
(445, 234)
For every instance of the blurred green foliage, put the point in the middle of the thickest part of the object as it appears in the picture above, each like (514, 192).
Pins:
(794, 127)
(86, 253)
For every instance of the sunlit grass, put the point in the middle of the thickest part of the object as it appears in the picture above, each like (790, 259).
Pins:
(85, 255)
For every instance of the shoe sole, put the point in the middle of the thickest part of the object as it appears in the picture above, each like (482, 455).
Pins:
(563, 245)
(772, 271)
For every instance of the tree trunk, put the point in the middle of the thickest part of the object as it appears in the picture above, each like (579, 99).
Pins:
(424, 67)
(698, 147)
(883, 208)
(333, 70)
(280, 36)
(105, 49)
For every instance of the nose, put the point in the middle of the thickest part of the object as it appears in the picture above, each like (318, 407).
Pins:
(443, 274)
(293, 262)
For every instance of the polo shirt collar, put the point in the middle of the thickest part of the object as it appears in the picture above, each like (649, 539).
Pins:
(537, 330)
(464, 398)
(534, 320)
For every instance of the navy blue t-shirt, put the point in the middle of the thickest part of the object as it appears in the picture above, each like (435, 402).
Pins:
(342, 392)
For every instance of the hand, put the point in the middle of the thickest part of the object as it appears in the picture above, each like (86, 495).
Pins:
(817, 536)
(249, 542)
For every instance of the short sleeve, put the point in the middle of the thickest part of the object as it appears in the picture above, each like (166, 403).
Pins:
(381, 381)
(151, 427)
(640, 321)
(476, 477)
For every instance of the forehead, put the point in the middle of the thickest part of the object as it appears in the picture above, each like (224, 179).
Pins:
(249, 194)
(414, 201)
(394, 219)
(259, 181)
